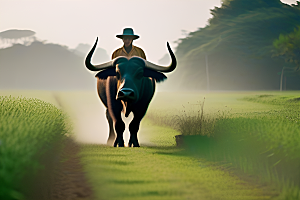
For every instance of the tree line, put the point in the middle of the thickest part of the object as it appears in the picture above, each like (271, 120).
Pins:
(245, 45)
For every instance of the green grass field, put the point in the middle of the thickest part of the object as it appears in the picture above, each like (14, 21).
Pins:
(160, 170)
(225, 115)
(254, 133)
(236, 145)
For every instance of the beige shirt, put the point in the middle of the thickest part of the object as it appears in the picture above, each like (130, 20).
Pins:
(135, 51)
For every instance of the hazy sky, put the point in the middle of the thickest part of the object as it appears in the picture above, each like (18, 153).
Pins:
(70, 22)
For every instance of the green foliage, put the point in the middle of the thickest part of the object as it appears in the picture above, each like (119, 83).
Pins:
(288, 47)
(234, 8)
(28, 128)
(238, 42)
(241, 24)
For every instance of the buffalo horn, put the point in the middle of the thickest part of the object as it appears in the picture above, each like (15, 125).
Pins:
(91, 67)
(159, 68)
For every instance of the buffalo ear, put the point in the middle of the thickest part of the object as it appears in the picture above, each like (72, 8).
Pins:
(159, 77)
(105, 73)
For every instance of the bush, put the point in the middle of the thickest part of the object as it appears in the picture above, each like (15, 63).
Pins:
(28, 128)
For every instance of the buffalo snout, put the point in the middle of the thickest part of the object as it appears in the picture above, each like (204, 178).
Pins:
(126, 94)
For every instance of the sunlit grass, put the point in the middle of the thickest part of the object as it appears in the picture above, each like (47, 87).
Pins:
(28, 128)
(161, 171)
(261, 142)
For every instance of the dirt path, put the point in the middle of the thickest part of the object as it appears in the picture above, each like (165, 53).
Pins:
(62, 177)
(70, 182)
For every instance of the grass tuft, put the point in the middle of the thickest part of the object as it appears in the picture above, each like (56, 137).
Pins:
(28, 128)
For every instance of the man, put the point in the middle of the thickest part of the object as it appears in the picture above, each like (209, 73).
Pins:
(128, 49)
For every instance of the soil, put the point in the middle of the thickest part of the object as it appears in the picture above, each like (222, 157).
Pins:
(69, 177)
(62, 178)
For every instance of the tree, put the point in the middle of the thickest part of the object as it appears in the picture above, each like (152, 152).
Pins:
(14, 36)
(234, 8)
(287, 46)
(238, 42)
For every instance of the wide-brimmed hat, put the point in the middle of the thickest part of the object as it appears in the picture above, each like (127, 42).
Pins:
(128, 32)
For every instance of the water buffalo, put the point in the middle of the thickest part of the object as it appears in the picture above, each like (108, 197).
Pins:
(128, 85)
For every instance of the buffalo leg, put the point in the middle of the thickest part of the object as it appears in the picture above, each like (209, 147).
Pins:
(112, 135)
(119, 127)
(133, 129)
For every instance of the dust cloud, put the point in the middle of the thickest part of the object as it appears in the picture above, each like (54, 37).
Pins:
(88, 118)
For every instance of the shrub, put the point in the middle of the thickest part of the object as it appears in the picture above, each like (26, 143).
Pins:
(28, 128)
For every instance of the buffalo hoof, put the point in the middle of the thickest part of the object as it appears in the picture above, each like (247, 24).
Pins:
(110, 142)
(133, 143)
(119, 143)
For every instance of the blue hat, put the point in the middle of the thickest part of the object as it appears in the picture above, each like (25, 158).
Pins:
(128, 32)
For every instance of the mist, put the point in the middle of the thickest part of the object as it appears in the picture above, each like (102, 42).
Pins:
(52, 57)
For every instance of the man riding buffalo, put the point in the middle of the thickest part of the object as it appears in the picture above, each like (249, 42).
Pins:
(127, 84)
(128, 50)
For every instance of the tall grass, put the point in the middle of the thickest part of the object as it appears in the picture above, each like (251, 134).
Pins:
(263, 144)
(192, 121)
(28, 128)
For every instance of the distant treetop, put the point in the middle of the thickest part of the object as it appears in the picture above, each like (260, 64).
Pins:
(16, 34)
